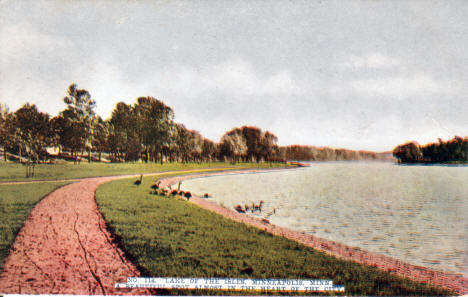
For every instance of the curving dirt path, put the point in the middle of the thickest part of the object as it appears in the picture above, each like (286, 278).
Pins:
(64, 248)
(455, 282)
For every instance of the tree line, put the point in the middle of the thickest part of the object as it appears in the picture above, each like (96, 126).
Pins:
(313, 153)
(145, 131)
(453, 150)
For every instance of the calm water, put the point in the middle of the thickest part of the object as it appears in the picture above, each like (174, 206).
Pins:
(418, 214)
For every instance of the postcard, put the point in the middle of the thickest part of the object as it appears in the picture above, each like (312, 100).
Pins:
(233, 148)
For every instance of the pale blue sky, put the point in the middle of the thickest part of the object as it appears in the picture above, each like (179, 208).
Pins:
(355, 74)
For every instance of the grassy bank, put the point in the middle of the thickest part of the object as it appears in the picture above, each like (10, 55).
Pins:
(169, 237)
(16, 202)
(16, 172)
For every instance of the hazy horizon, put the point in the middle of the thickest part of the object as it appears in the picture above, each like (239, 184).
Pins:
(359, 75)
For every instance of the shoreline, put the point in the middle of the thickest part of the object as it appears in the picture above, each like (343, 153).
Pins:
(455, 282)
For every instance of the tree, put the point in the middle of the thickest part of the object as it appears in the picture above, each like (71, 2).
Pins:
(33, 134)
(78, 119)
(259, 145)
(196, 145)
(455, 148)
(268, 145)
(144, 129)
(208, 150)
(180, 144)
(233, 146)
(186, 144)
(253, 139)
(154, 121)
(409, 152)
(121, 130)
(100, 136)
(7, 131)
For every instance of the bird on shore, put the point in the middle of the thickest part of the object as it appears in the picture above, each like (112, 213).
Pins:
(259, 206)
(155, 186)
(239, 208)
(138, 181)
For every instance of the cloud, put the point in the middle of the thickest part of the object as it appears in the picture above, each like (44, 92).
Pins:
(32, 64)
(397, 87)
(235, 76)
(371, 61)
(23, 40)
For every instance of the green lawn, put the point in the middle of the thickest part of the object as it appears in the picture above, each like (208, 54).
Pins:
(16, 172)
(169, 237)
(16, 202)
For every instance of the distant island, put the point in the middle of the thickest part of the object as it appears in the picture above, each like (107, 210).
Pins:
(454, 150)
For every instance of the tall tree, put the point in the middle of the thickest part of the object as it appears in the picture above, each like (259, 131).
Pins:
(78, 119)
(154, 121)
(122, 129)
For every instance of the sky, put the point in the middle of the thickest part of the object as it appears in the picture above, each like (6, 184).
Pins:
(346, 74)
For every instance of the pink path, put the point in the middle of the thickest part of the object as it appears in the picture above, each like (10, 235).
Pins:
(64, 248)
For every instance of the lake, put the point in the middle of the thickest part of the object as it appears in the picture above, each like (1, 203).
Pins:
(418, 214)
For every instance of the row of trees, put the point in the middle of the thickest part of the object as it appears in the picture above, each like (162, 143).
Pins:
(143, 131)
(146, 131)
(453, 150)
(312, 153)
(28, 132)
